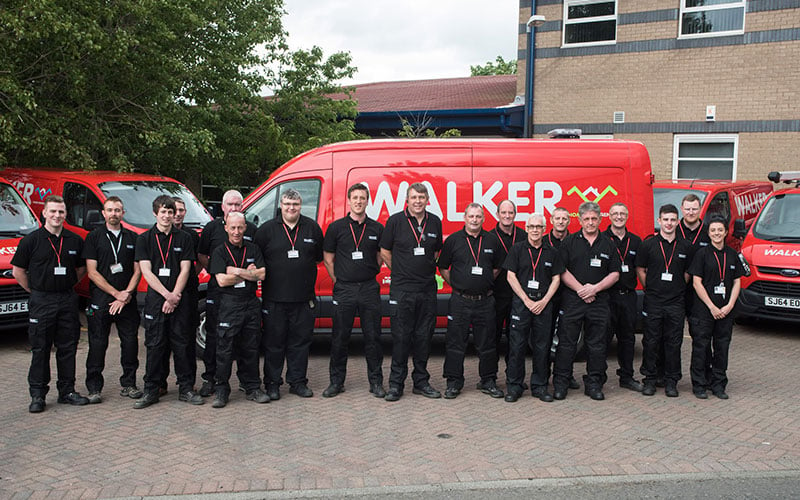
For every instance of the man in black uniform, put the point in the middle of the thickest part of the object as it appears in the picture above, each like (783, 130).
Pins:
(534, 275)
(109, 253)
(661, 265)
(237, 266)
(352, 259)
(212, 237)
(469, 263)
(165, 256)
(622, 321)
(507, 233)
(48, 264)
(410, 246)
(292, 247)
(591, 267)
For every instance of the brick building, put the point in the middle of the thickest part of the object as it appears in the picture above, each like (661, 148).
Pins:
(712, 88)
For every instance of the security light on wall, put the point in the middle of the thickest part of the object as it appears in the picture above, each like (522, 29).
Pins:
(711, 113)
(536, 21)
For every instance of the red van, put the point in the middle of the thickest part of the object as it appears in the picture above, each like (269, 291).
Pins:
(538, 175)
(16, 220)
(730, 199)
(771, 252)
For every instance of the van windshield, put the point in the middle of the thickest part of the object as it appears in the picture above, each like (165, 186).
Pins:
(779, 220)
(666, 196)
(16, 219)
(138, 196)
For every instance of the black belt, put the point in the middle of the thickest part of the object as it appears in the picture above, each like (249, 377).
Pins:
(623, 292)
(535, 296)
(473, 296)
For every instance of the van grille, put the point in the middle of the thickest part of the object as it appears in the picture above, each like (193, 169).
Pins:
(774, 270)
(775, 288)
(12, 293)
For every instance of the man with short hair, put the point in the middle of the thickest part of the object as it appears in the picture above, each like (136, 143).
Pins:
(591, 267)
(48, 264)
(237, 266)
(212, 237)
(410, 246)
(534, 271)
(165, 254)
(662, 264)
(469, 263)
(291, 244)
(622, 320)
(352, 258)
(114, 275)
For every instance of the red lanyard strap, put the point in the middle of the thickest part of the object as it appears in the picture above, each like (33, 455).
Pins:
(697, 235)
(721, 267)
(60, 246)
(668, 263)
(292, 241)
(234, 258)
(421, 230)
(169, 244)
(480, 241)
(534, 264)
(358, 242)
(513, 238)
(627, 245)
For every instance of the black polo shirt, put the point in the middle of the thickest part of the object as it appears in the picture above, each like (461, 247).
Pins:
(627, 248)
(242, 256)
(467, 255)
(523, 257)
(115, 258)
(697, 238)
(356, 247)
(214, 235)
(290, 257)
(589, 263)
(42, 252)
(164, 251)
(506, 241)
(654, 254)
(715, 267)
(194, 280)
(551, 240)
(412, 272)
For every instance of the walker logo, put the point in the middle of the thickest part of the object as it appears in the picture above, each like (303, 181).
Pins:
(43, 193)
(592, 190)
(8, 250)
(750, 204)
(781, 252)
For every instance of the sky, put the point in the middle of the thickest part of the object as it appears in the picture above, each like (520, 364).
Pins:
(406, 39)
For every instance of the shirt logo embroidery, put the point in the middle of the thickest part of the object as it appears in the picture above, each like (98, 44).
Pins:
(308, 240)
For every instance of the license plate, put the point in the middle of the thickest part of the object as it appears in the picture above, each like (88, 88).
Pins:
(782, 302)
(13, 307)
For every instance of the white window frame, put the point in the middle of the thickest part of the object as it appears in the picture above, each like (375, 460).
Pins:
(569, 3)
(733, 4)
(705, 139)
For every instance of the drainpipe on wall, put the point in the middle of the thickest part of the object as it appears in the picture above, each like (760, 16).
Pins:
(530, 58)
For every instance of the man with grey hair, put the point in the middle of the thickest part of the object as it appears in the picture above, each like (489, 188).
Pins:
(291, 244)
(213, 236)
(592, 265)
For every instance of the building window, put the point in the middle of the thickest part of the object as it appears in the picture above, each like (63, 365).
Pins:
(589, 22)
(705, 157)
(701, 18)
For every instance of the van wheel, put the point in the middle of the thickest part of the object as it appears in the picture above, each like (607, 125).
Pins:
(200, 341)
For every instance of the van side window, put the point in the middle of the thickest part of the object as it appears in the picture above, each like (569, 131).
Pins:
(720, 205)
(83, 207)
(266, 207)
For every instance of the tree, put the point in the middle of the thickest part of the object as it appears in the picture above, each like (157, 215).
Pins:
(422, 128)
(165, 87)
(499, 67)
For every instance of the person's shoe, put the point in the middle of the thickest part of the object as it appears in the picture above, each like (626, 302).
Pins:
(573, 384)
(524, 386)
(377, 390)
(490, 387)
(37, 404)
(131, 391)
(542, 394)
(671, 390)
(258, 396)
(631, 384)
(721, 394)
(428, 391)
(191, 397)
(146, 400)
(451, 393)
(301, 390)
(162, 391)
(220, 400)
(594, 393)
(649, 389)
(74, 399)
(700, 394)
(512, 396)
(207, 389)
(560, 394)
(393, 394)
(659, 382)
(332, 390)
(274, 392)
(94, 398)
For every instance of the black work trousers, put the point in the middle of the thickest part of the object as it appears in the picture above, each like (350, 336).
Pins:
(663, 330)
(53, 320)
(502, 322)
(164, 333)
(622, 323)
(99, 322)
(212, 323)
(528, 330)
(239, 338)
(413, 318)
(349, 299)
(593, 319)
(463, 312)
(714, 335)
(287, 328)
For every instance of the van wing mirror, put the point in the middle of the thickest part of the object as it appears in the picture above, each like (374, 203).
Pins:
(739, 229)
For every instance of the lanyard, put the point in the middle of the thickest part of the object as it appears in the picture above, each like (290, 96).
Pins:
(292, 241)
(722, 267)
(58, 253)
(234, 258)
(358, 242)
(513, 238)
(699, 230)
(421, 230)
(534, 264)
(480, 241)
(627, 245)
(667, 262)
(169, 244)
(119, 245)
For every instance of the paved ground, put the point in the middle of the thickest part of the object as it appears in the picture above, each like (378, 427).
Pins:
(357, 441)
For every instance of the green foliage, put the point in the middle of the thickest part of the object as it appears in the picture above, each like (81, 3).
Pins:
(163, 87)
(422, 129)
(499, 67)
